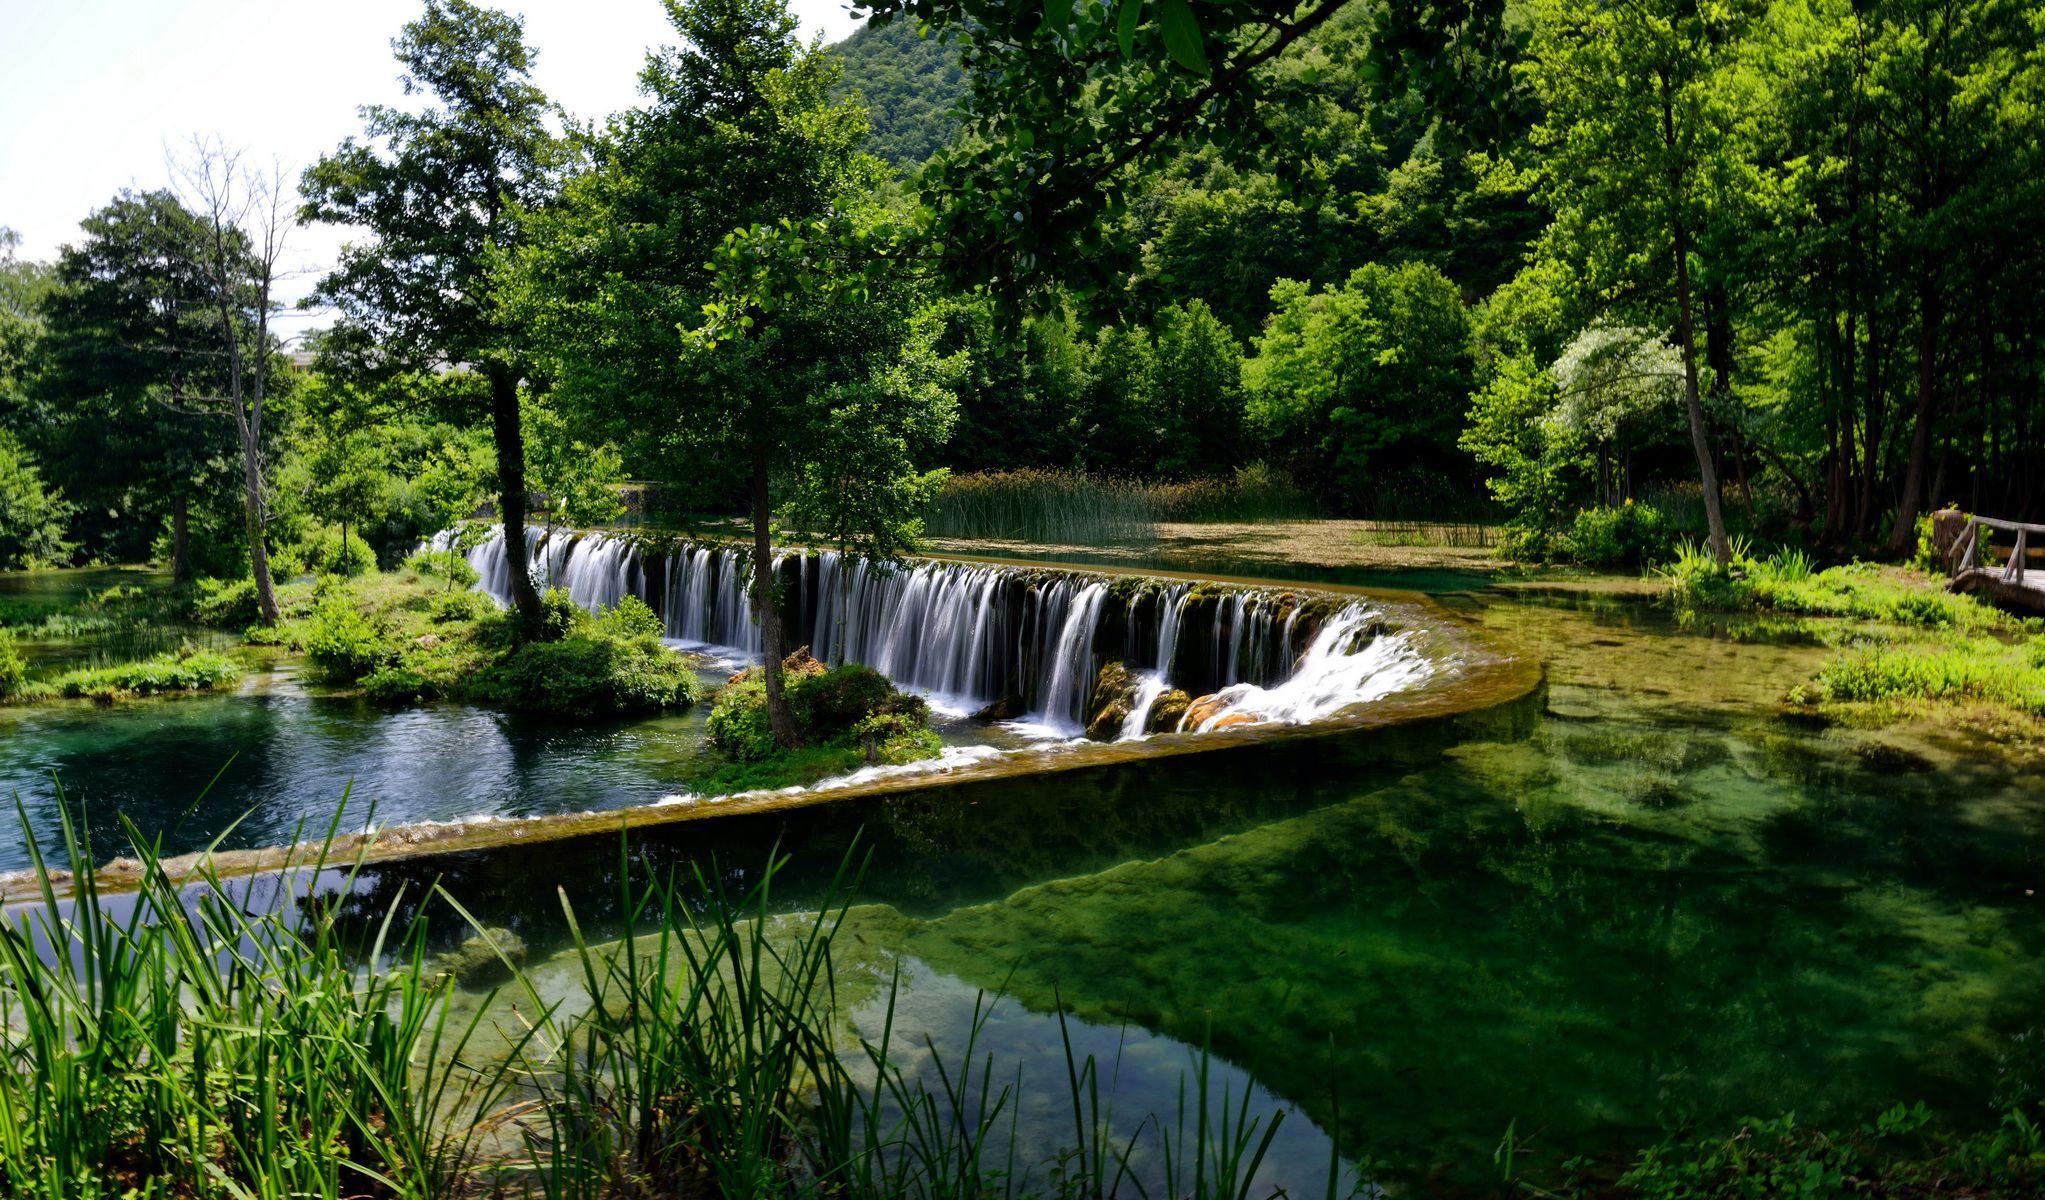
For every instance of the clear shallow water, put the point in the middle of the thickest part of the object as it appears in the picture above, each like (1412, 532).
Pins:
(1635, 898)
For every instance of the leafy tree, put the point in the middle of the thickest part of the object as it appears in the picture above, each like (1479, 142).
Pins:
(32, 516)
(1611, 381)
(349, 475)
(721, 381)
(1066, 101)
(437, 192)
(579, 479)
(127, 339)
(1641, 151)
(861, 484)
(1350, 379)
(1197, 388)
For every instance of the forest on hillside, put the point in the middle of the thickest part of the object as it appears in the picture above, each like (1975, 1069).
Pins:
(1489, 261)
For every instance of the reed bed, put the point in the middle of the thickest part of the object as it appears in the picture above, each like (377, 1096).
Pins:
(1070, 507)
(201, 1039)
(1467, 535)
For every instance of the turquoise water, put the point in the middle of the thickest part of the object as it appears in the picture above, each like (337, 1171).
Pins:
(1638, 898)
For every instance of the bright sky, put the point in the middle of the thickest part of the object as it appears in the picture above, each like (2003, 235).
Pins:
(94, 92)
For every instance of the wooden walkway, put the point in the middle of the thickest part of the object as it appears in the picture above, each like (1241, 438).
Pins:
(2012, 583)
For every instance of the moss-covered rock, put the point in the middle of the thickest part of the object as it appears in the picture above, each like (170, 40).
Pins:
(1114, 695)
(1166, 711)
(484, 960)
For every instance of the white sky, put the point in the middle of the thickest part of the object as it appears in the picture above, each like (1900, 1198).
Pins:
(93, 92)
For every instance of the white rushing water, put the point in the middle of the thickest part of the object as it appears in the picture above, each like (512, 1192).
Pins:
(1344, 665)
(965, 635)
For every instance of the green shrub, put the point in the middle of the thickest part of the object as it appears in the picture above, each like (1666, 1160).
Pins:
(738, 721)
(462, 606)
(559, 616)
(1979, 669)
(226, 604)
(187, 670)
(399, 684)
(630, 619)
(342, 642)
(1630, 535)
(851, 705)
(443, 564)
(588, 675)
(13, 671)
(327, 553)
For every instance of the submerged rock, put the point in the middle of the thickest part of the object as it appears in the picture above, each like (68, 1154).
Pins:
(1166, 710)
(1008, 708)
(481, 960)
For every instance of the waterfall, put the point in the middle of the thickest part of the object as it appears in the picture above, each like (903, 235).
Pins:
(1345, 664)
(1069, 673)
(966, 635)
(1171, 608)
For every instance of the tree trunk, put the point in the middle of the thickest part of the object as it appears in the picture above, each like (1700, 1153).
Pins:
(180, 540)
(779, 717)
(511, 502)
(1931, 310)
(259, 550)
(1686, 331)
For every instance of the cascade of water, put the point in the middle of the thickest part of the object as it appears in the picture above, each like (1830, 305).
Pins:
(975, 633)
(1245, 610)
(1342, 666)
(1069, 679)
(1148, 688)
(1172, 608)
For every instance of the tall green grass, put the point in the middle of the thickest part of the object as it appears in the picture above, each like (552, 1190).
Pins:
(1073, 508)
(193, 1040)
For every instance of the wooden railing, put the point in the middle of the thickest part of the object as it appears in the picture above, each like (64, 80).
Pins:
(1965, 554)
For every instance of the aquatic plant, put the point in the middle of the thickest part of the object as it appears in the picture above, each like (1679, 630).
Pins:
(1965, 669)
(185, 670)
(1074, 508)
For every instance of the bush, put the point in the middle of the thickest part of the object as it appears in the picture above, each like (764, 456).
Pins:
(559, 617)
(13, 671)
(443, 564)
(343, 643)
(1630, 535)
(399, 684)
(187, 670)
(326, 553)
(1980, 670)
(590, 675)
(851, 705)
(462, 606)
(226, 604)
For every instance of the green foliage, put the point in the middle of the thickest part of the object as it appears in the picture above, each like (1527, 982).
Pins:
(450, 565)
(187, 670)
(1784, 582)
(13, 671)
(613, 665)
(851, 709)
(1352, 383)
(343, 642)
(32, 516)
(1630, 535)
(908, 83)
(225, 604)
(327, 552)
(1962, 669)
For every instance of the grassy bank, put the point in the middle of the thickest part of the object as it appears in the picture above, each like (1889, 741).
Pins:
(1905, 645)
